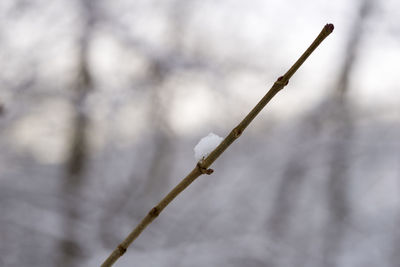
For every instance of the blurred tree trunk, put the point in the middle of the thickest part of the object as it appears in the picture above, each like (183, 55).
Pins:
(143, 190)
(338, 184)
(289, 189)
(395, 255)
(155, 183)
(288, 193)
(76, 164)
(340, 147)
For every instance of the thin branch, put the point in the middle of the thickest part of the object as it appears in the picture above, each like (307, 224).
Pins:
(202, 166)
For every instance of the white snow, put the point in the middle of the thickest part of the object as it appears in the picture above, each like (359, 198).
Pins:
(206, 145)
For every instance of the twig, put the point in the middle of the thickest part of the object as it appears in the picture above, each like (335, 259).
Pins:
(202, 166)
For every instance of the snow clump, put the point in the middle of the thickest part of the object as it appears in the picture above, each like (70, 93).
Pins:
(206, 145)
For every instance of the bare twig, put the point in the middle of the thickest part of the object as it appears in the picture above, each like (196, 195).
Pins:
(202, 166)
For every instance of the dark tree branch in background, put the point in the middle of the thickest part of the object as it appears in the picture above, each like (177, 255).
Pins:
(156, 178)
(288, 193)
(77, 157)
(338, 185)
(352, 47)
(2, 108)
(158, 171)
(202, 166)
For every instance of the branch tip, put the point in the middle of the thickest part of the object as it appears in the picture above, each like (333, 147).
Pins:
(329, 27)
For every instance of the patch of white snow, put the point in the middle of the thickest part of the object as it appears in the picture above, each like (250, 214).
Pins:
(206, 145)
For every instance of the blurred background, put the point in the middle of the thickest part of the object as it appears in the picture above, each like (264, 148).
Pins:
(102, 103)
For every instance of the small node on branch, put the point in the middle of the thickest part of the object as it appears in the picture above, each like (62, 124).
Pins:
(204, 170)
(209, 171)
(237, 132)
(121, 250)
(280, 80)
(154, 212)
